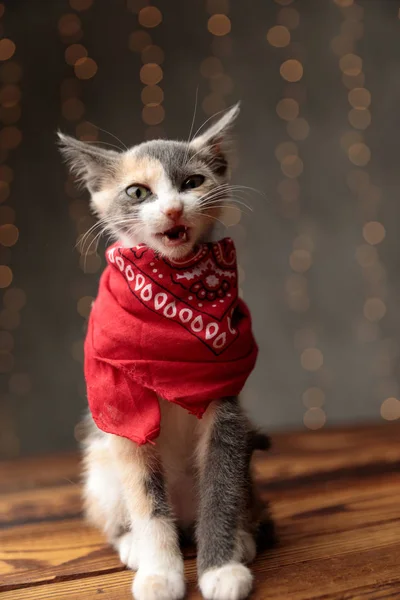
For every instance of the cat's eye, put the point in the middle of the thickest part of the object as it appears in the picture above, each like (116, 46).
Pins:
(194, 181)
(138, 192)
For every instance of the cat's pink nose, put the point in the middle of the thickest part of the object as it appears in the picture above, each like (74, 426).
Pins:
(173, 213)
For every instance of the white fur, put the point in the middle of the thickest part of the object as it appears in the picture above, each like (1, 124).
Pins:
(229, 582)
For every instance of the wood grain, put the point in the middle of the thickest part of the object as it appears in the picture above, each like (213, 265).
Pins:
(335, 497)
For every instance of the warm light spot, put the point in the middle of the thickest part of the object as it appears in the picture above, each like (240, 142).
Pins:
(286, 149)
(10, 72)
(360, 119)
(74, 53)
(287, 109)
(374, 232)
(296, 290)
(2, 9)
(155, 132)
(213, 103)
(353, 81)
(291, 70)
(311, 359)
(6, 341)
(211, 67)
(359, 98)
(375, 274)
(8, 235)
(14, 298)
(289, 189)
(84, 306)
(219, 24)
(288, 17)
(292, 166)
(6, 174)
(85, 68)
(10, 137)
(6, 276)
(90, 263)
(73, 109)
(374, 309)
(20, 383)
(7, 49)
(153, 115)
(153, 54)
(139, 40)
(4, 191)
(222, 84)
(151, 73)
(359, 154)
(298, 129)
(357, 180)
(314, 418)
(69, 25)
(314, 397)
(150, 16)
(152, 94)
(350, 64)
(366, 256)
(217, 6)
(80, 4)
(300, 260)
(278, 36)
(390, 409)
(10, 95)
(298, 303)
(87, 132)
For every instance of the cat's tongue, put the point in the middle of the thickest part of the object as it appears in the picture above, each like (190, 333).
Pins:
(176, 235)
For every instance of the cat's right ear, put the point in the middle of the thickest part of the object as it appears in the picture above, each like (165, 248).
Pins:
(91, 164)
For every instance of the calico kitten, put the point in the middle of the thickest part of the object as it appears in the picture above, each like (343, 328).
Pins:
(198, 474)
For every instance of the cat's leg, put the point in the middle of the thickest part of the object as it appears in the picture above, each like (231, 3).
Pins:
(154, 540)
(223, 538)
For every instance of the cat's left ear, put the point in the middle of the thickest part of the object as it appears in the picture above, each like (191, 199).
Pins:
(217, 139)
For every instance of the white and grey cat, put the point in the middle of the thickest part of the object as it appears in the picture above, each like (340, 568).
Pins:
(169, 195)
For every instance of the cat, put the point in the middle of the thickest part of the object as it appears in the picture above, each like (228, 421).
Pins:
(168, 196)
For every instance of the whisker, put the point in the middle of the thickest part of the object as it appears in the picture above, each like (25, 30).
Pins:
(111, 134)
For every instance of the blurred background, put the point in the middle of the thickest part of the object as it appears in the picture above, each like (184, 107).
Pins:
(319, 136)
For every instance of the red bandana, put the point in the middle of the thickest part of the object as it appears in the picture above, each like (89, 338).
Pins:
(172, 329)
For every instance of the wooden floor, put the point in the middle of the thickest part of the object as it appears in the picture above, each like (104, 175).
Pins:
(335, 496)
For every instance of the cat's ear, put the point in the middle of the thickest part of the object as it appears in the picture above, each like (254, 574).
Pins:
(217, 141)
(220, 130)
(91, 165)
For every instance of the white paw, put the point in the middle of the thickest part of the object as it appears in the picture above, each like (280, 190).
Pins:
(168, 585)
(127, 551)
(230, 582)
(247, 548)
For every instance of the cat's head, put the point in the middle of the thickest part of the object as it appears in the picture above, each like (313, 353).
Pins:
(165, 194)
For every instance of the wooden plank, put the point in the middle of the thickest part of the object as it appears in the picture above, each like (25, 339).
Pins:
(310, 526)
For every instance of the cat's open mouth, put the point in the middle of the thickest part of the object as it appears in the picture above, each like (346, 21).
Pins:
(175, 236)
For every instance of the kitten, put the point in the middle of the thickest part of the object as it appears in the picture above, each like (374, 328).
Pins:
(168, 196)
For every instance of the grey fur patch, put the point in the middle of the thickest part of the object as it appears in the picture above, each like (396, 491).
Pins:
(155, 489)
(224, 486)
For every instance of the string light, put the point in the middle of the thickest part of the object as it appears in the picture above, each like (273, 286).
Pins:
(288, 153)
(368, 197)
(14, 299)
(151, 73)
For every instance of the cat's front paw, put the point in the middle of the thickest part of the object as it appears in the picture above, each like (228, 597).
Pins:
(168, 585)
(126, 547)
(230, 582)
